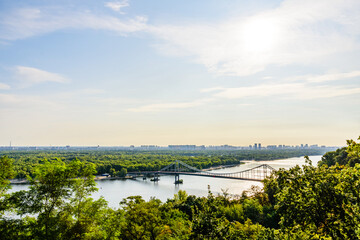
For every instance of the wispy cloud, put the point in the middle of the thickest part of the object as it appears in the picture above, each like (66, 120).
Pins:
(300, 91)
(263, 90)
(317, 92)
(332, 77)
(326, 77)
(293, 33)
(26, 101)
(296, 91)
(4, 86)
(158, 107)
(213, 89)
(82, 92)
(296, 32)
(29, 76)
(28, 22)
(118, 5)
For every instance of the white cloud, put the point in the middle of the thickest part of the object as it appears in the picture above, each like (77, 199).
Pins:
(28, 22)
(26, 101)
(117, 6)
(213, 89)
(327, 77)
(170, 106)
(86, 91)
(297, 32)
(263, 90)
(29, 76)
(287, 90)
(4, 86)
(333, 76)
(325, 92)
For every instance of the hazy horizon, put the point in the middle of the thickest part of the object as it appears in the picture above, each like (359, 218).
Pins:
(11, 144)
(128, 72)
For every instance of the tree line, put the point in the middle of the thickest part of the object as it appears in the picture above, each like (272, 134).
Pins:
(118, 162)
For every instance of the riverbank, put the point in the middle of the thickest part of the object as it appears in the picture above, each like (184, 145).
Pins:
(101, 178)
(97, 178)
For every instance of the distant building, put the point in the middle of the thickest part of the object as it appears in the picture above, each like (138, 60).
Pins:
(182, 147)
(271, 146)
(149, 147)
(259, 146)
(255, 146)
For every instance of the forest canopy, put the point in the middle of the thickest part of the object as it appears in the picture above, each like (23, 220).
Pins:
(118, 162)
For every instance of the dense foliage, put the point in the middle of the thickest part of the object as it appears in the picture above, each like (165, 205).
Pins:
(306, 202)
(349, 155)
(118, 162)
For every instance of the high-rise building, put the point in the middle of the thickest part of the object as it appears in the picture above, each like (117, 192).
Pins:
(255, 146)
(259, 146)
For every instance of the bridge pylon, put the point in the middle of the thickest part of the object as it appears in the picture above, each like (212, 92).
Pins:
(177, 175)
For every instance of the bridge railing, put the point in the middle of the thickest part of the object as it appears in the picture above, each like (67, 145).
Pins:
(258, 172)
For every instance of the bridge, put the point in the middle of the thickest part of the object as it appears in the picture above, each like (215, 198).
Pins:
(178, 168)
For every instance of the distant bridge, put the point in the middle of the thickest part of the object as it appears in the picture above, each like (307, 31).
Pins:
(178, 168)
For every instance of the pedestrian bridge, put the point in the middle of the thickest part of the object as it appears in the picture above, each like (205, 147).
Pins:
(178, 168)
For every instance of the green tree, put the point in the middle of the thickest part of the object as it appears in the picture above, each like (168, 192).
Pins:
(209, 221)
(349, 155)
(6, 173)
(316, 200)
(122, 172)
(143, 219)
(58, 195)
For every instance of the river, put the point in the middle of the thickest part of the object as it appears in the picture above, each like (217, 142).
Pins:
(115, 190)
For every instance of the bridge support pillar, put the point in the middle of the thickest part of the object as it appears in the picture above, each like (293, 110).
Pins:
(177, 179)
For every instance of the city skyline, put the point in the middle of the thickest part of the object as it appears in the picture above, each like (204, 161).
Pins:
(118, 73)
(255, 146)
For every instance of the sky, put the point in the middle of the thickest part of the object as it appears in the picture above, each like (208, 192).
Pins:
(205, 72)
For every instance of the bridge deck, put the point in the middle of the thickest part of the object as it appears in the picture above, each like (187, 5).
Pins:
(178, 167)
(195, 174)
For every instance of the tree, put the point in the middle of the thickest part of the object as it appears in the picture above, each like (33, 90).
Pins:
(319, 200)
(122, 172)
(6, 173)
(209, 221)
(349, 155)
(143, 219)
(59, 196)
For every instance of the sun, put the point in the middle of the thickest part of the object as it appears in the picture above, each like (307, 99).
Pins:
(260, 34)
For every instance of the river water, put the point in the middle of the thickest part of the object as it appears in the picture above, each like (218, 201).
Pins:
(115, 190)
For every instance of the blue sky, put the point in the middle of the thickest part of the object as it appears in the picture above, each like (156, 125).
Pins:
(179, 72)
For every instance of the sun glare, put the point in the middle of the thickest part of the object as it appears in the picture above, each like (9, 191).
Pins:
(260, 35)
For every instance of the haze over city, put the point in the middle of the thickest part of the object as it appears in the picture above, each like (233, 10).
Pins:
(116, 73)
